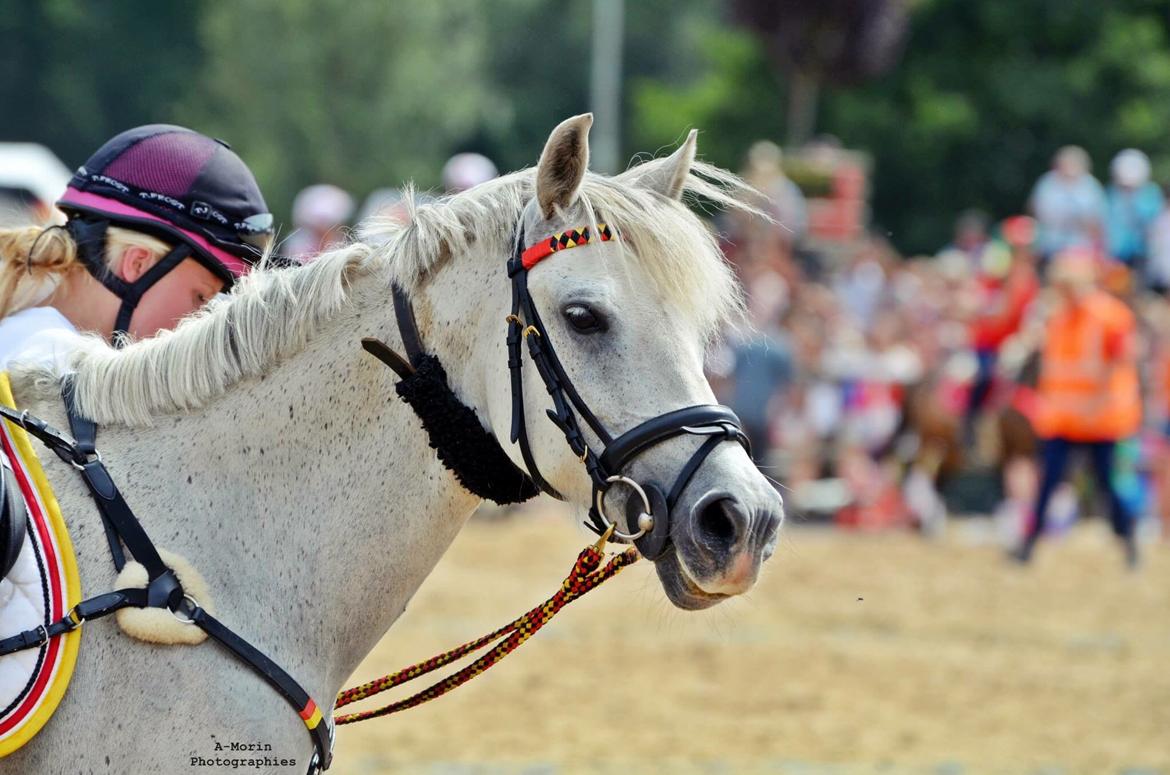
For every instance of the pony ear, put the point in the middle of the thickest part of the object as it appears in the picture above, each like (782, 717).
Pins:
(562, 164)
(666, 176)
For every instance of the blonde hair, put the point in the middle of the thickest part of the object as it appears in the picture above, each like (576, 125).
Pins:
(34, 260)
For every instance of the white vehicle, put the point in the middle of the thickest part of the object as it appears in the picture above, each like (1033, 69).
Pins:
(31, 179)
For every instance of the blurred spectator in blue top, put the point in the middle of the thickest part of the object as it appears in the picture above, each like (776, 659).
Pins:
(1069, 204)
(1133, 202)
(763, 367)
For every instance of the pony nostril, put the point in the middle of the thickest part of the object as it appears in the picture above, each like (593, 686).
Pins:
(718, 523)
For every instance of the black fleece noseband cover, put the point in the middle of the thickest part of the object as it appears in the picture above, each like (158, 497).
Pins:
(456, 434)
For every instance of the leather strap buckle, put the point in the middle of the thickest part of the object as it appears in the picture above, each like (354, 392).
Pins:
(74, 619)
(81, 460)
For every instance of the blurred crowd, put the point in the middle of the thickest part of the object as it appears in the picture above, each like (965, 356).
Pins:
(887, 390)
(890, 390)
(323, 213)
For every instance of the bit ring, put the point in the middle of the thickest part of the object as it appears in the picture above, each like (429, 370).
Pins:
(645, 519)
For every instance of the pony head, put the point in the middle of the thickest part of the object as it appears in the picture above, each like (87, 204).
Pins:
(629, 312)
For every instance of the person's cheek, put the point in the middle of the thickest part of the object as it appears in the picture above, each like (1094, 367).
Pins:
(172, 307)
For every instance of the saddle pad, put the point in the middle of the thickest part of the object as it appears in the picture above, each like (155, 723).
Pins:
(41, 588)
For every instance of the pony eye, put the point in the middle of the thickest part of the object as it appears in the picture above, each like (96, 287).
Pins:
(585, 320)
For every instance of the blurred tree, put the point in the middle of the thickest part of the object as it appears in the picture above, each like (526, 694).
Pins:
(733, 98)
(370, 94)
(362, 95)
(988, 91)
(73, 73)
(539, 64)
(983, 96)
(818, 42)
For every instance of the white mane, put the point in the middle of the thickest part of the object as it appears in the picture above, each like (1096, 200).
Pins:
(273, 313)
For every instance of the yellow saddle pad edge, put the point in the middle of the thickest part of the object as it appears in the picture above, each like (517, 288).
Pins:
(72, 640)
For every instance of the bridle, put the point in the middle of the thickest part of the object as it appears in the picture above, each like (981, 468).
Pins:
(715, 421)
(650, 524)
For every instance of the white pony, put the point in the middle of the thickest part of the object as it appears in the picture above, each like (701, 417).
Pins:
(259, 441)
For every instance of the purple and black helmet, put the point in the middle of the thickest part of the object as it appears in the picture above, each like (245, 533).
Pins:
(180, 185)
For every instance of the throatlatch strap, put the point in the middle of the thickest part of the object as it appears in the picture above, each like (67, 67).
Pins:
(407, 326)
(382, 351)
(454, 430)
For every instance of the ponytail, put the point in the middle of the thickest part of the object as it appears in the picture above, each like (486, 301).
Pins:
(35, 260)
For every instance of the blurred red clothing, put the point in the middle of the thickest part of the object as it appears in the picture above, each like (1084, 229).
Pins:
(1002, 304)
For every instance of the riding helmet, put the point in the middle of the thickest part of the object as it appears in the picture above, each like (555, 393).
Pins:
(176, 184)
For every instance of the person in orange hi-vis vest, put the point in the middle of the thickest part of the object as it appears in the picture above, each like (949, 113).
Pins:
(1089, 395)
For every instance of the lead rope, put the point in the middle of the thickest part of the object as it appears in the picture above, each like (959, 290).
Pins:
(587, 573)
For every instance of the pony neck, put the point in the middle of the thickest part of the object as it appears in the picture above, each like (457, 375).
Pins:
(359, 505)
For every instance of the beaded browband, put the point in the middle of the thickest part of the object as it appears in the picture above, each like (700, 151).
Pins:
(563, 241)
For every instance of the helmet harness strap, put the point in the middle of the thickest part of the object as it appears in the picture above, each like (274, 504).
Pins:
(91, 235)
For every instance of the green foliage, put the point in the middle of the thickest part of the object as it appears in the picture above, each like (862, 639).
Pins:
(986, 92)
(75, 72)
(361, 94)
(364, 95)
(735, 100)
(540, 64)
(368, 94)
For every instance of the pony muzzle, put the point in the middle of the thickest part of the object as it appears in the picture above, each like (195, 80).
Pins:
(722, 543)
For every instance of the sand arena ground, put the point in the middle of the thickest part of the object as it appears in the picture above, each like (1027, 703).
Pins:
(855, 654)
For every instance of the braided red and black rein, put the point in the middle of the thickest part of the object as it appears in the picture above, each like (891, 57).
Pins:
(587, 573)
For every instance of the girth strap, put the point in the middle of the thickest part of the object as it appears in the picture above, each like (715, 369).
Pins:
(93, 608)
(272, 673)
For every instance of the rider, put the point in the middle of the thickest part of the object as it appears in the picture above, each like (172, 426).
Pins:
(160, 220)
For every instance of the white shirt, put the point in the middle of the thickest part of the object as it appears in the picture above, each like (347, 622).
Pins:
(39, 335)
